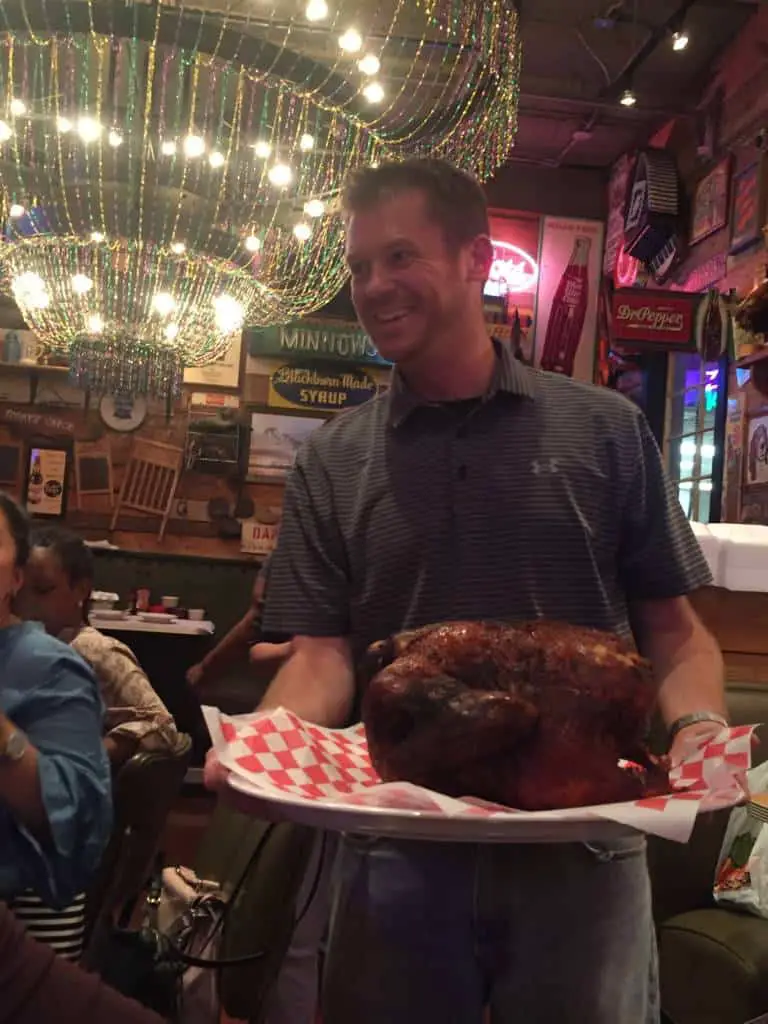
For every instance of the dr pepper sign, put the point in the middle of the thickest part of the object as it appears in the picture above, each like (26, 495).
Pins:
(648, 319)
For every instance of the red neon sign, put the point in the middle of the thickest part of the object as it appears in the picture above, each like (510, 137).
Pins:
(513, 271)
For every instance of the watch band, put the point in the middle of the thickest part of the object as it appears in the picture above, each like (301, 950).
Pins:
(15, 747)
(693, 719)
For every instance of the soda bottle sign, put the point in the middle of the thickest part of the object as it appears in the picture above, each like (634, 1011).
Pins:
(568, 312)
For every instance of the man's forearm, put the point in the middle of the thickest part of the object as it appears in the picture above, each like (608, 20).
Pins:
(687, 662)
(232, 647)
(316, 684)
(693, 683)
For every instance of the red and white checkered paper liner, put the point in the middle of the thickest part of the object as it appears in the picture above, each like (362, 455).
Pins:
(279, 753)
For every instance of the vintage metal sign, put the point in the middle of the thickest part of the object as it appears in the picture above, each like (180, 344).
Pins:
(319, 387)
(315, 340)
(646, 318)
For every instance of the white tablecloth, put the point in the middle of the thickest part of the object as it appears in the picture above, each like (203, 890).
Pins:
(133, 624)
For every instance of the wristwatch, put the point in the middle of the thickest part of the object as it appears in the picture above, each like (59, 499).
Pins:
(14, 748)
(694, 719)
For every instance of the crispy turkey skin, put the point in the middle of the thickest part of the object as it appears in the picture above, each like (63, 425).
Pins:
(534, 716)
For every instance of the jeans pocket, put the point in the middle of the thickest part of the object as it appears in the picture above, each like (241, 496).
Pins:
(617, 849)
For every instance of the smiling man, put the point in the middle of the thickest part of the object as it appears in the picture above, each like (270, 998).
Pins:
(479, 488)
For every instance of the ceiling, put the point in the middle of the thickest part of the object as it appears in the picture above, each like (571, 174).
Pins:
(580, 55)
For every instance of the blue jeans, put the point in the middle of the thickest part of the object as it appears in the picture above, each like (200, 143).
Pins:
(429, 933)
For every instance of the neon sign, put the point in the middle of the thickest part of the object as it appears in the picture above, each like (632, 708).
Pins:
(711, 387)
(626, 269)
(513, 270)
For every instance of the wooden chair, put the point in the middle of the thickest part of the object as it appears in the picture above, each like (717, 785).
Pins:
(144, 789)
(93, 470)
(150, 480)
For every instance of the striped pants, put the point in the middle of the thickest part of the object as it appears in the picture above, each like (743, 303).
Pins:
(63, 930)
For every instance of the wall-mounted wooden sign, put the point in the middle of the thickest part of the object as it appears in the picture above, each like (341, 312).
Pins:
(38, 423)
(310, 340)
(319, 387)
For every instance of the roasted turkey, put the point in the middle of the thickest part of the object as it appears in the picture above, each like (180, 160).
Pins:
(534, 716)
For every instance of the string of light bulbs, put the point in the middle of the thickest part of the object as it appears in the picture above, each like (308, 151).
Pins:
(169, 172)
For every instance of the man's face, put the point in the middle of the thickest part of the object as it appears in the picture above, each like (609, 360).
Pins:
(409, 285)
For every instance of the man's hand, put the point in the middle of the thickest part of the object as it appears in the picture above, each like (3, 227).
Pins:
(691, 739)
(215, 775)
(195, 674)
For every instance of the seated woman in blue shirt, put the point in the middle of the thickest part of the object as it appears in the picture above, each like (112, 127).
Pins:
(55, 798)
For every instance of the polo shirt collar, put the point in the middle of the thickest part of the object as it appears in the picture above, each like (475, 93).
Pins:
(509, 376)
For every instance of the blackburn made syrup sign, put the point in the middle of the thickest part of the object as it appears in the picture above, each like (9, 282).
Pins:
(322, 388)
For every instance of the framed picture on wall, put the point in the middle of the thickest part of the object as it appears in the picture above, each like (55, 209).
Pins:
(747, 207)
(756, 461)
(225, 374)
(710, 202)
(47, 479)
(275, 440)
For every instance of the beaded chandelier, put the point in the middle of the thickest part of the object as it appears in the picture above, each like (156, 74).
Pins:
(169, 170)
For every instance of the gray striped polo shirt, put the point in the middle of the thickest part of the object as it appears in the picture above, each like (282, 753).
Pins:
(545, 498)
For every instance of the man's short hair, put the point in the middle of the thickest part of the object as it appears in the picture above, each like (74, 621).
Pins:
(455, 199)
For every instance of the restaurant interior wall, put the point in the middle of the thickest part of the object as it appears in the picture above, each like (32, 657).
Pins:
(736, 102)
(520, 195)
(739, 90)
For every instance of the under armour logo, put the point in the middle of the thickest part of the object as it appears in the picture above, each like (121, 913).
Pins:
(545, 466)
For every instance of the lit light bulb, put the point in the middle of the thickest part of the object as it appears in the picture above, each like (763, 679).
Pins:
(81, 284)
(18, 108)
(64, 125)
(280, 175)
(228, 314)
(374, 92)
(306, 142)
(97, 236)
(316, 10)
(5, 131)
(252, 243)
(178, 248)
(216, 159)
(16, 210)
(168, 147)
(628, 98)
(302, 231)
(29, 289)
(194, 146)
(171, 331)
(351, 41)
(369, 64)
(680, 41)
(164, 303)
(89, 129)
(115, 139)
(314, 208)
(95, 324)
(262, 149)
